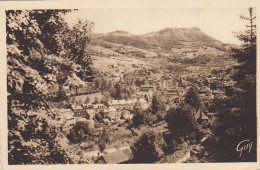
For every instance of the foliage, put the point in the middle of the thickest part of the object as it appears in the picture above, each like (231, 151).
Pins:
(181, 122)
(140, 81)
(148, 148)
(79, 132)
(192, 98)
(158, 105)
(194, 80)
(33, 138)
(98, 116)
(103, 140)
(237, 114)
(87, 100)
(38, 65)
(97, 100)
(141, 117)
(120, 90)
(200, 60)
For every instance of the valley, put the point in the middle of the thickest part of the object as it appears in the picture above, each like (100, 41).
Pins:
(176, 95)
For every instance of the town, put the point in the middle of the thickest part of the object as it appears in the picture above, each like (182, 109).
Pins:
(114, 115)
(166, 95)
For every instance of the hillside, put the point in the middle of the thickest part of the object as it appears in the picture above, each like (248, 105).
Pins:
(166, 39)
(168, 46)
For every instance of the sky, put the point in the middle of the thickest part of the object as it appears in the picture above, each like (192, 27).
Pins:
(218, 23)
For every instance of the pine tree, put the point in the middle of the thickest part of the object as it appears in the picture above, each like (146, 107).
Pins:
(237, 117)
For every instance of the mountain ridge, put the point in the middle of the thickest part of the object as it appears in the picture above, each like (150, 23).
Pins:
(167, 39)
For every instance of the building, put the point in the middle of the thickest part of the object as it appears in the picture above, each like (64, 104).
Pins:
(147, 88)
(121, 156)
(81, 119)
(66, 89)
(117, 103)
(172, 93)
(131, 101)
(78, 111)
(148, 95)
(110, 113)
(205, 93)
(98, 107)
(163, 84)
(217, 92)
(201, 117)
(90, 114)
(88, 106)
(64, 119)
(211, 114)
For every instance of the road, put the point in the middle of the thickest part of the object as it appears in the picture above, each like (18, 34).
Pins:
(94, 153)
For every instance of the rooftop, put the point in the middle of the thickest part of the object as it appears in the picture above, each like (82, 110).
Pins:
(118, 156)
(76, 107)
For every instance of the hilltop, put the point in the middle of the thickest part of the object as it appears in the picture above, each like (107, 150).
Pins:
(166, 39)
(167, 46)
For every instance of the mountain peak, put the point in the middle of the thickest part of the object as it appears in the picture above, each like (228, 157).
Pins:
(167, 38)
(169, 31)
(179, 30)
(120, 33)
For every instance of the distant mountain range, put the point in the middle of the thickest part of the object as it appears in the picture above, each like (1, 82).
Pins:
(165, 39)
(181, 47)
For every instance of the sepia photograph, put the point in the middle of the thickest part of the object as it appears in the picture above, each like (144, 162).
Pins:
(131, 86)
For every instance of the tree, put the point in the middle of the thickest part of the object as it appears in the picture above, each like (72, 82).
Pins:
(87, 100)
(80, 132)
(138, 117)
(81, 29)
(237, 116)
(98, 116)
(149, 119)
(52, 24)
(192, 98)
(147, 148)
(181, 122)
(30, 75)
(38, 61)
(98, 82)
(97, 100)
(158, 107)
(142, 117)
(103, 140)
(118, 91)
(106, 97)
(248, 36)
(157, 104)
